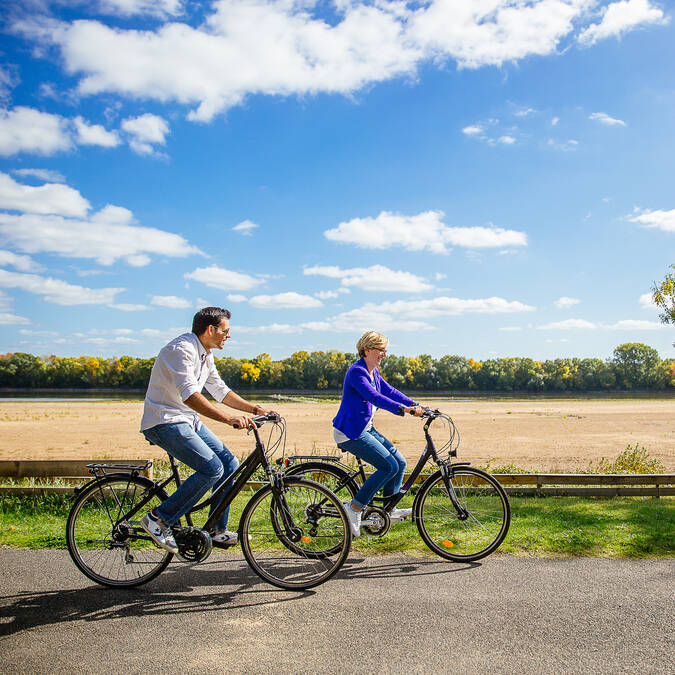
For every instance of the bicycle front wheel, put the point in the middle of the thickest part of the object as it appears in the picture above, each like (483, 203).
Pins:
(297, 540)
(443, 530)
(106, 547)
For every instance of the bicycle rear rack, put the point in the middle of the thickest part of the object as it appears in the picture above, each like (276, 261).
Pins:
(99, 470)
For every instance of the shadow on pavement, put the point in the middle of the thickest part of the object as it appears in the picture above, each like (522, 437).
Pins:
(414, 568)
(172, 593)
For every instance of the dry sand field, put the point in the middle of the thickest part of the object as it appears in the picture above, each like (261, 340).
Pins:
(545, 435)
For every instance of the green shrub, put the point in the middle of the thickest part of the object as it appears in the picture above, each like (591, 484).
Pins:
(634, 459)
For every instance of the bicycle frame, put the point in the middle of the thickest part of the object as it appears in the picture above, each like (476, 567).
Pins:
(234, 483)
(428, 453)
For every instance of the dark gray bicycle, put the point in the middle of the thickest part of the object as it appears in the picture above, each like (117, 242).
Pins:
(294, 532)
(462, 512)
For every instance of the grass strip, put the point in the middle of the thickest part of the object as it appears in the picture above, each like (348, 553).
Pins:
(620, 527)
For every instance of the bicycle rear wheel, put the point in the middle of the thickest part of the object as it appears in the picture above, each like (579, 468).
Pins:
(306, 553)
(335, 478)
(106, 548)
(440, 526)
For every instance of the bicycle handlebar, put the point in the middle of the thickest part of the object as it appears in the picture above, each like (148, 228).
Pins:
(259, 420)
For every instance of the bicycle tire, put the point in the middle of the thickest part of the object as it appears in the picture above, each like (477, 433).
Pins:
(322, 544)
(109, 551)
(440, 526)
(327, 474)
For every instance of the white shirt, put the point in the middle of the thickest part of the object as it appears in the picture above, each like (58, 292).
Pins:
(182, 368)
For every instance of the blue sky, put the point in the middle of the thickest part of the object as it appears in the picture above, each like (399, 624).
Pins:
(486, 178)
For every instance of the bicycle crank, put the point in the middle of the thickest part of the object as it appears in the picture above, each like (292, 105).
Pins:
(375, 521)
(194, 544)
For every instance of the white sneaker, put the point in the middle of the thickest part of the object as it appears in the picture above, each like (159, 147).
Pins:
(224, 538)
(354, 518)
(398, 515)
(159, 532)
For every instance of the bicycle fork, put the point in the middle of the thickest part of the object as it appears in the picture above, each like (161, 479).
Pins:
(293, 532)
(446, 473)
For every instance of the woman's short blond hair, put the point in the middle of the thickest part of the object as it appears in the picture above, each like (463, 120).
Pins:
(371, 340)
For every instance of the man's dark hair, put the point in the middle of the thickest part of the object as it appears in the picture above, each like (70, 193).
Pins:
(209, 316)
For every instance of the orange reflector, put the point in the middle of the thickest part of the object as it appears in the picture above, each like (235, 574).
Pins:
(305, 540)
(448, 543)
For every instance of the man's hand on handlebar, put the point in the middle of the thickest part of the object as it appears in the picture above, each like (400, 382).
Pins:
(242, 422)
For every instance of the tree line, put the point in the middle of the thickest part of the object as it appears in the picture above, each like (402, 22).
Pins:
(633, 366)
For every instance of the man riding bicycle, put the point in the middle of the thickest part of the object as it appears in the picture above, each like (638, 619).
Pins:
(173, 404)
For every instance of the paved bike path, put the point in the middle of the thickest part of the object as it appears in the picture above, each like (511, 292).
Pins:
(381, 614)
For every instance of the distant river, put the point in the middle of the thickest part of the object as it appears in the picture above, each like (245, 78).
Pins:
(74, 395)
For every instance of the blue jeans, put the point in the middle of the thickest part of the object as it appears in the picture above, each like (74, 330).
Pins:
(372, 447)
(205, 453)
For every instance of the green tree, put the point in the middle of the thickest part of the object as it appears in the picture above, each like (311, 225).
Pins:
(636, 365)
(664, 297)
(22, 370)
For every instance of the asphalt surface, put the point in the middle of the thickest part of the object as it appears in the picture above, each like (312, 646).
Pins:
(385, 614)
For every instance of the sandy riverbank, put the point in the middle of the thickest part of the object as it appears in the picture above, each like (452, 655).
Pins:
(545, 435)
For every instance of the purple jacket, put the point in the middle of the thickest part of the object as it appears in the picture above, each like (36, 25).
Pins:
(359, 396)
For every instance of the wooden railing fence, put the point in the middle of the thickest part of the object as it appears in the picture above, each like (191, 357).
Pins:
(74, 473)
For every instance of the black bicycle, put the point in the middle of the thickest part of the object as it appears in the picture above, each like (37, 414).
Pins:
(462, 512)
(294, 532)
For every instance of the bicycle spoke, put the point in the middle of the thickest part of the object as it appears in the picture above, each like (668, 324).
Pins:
(106, 548)
(306, 552)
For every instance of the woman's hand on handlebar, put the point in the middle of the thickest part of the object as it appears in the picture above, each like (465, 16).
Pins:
(416, 410)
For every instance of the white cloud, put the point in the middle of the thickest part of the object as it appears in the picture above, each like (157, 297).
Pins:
(565, 303)
(106, 236)
(146, 131)
(423, 231)
(326, 295)
(605, 119)
(277, 328)
(38, 333)
(374, 278)
(27, 130)
(662, 220)
(620, 17)
(402, 315)
(636, 324)
(473, 130)
(525, 112)
(236, 297)
(47, 175)
(290, 300)
(565, 146)
(57, 291)
(447, 306)
(507, 140)
(94, 134)
(569, 324)
(126, 307)
(23, 263)
(554, 121)
(126, 8)
(253, 47)
(53, 198)
(8, 80)
(219, 277)
(8, 319)
(510, 329)
(646, 301)
(246, 227)
(171, 301)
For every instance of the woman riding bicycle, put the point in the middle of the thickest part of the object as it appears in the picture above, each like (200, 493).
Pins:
(363, 391)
